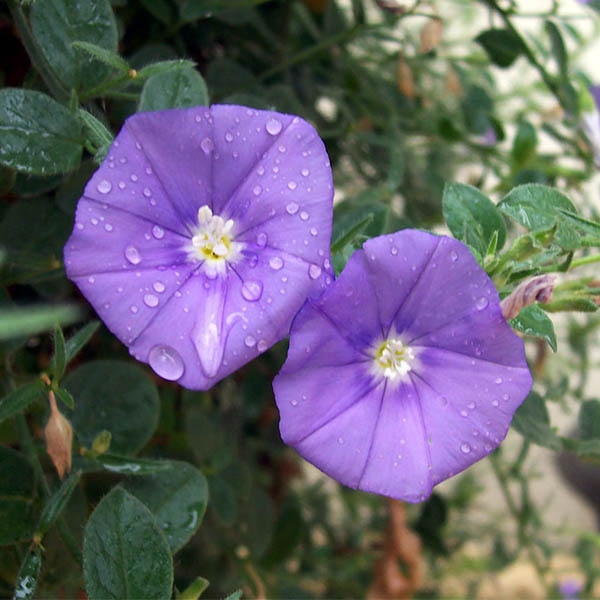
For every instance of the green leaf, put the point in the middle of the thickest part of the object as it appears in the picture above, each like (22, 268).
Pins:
(348, 228)
(159, 9)
(501, 45)
(589, 420)
(472, 217)
(96, 132)
(181, 88)
(533, 422)
(194, 590)
(65, 397)
(59, 360)
(108, 57)
(210, 438)
(78, 340)
(287, 533)
(56, 24)
(123, 465)
(125, 555)
(559, 51)
(524, 144)
(223, 501)
(28, 574)
(108, 393)
(177, 498)
(538, 207)
(164, 66)
(18, 400)
(39, 136)
(571, 304)
(57, 502)
(15, 322)
(532, 320)
(235, 595)
(18, 513)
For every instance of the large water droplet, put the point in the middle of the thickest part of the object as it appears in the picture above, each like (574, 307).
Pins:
(275, 263)
(273, 126)
(481, 303)
(292, 208)
(252, 290)
(166, 362)
(150, 300)
(314, 271)
(104, 186)
(132, 254)
(207, 145)
(465, 448)
(158, 232)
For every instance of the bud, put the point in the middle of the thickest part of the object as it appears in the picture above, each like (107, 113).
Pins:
(404, 78)
(453, 84)
(59, 438)
(101, 443)
(536, 289)
(431, 35)
(132, 73)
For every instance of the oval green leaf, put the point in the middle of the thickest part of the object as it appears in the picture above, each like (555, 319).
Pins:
(56, 24)
(39, 136)
(179, 88)
(177, 498)
(125, 555)
(114, 396)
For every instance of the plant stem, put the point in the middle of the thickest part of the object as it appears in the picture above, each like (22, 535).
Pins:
(38, 60)
(586, 260)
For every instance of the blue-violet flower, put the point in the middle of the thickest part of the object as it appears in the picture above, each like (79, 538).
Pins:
(404, 372)
(201, 235)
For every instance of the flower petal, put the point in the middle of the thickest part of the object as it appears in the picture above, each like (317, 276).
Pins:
(466, 417)
(110, 239)
(127, 180)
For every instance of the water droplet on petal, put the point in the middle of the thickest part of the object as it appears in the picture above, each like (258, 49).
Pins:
(257, 190)
(91, 279)
(229, 137)
(292, 185)
(273, 126)
(292, 208)
(481, 303)
(275, 263)
(305, 172)
(294, 402)
(313, 231)
(132, 254)
(133, 309)
(262, 345)
(314, 271)
(250, 341)
(261, 240)
(158, 286)
(495, 402)
(104, 186)
(166, 362)
(340, 440)
(498, 380)
(453, 256)
(150, 300)
(147, 192)
(252, 290)
(108, 227)
(207, 145)
(465, 448)
(304, 215)
(158, 232)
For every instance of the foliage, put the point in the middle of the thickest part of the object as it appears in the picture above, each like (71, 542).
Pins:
(173, 492)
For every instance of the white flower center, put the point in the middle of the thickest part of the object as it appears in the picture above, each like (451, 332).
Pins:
(393, 359)
(213, 240)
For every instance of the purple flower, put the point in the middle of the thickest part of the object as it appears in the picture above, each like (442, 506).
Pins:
(201, 235)
(404, 372)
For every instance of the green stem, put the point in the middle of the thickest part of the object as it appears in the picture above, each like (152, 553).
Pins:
(38, 60)
(546, 77)
(103, 87)
(586, 260)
